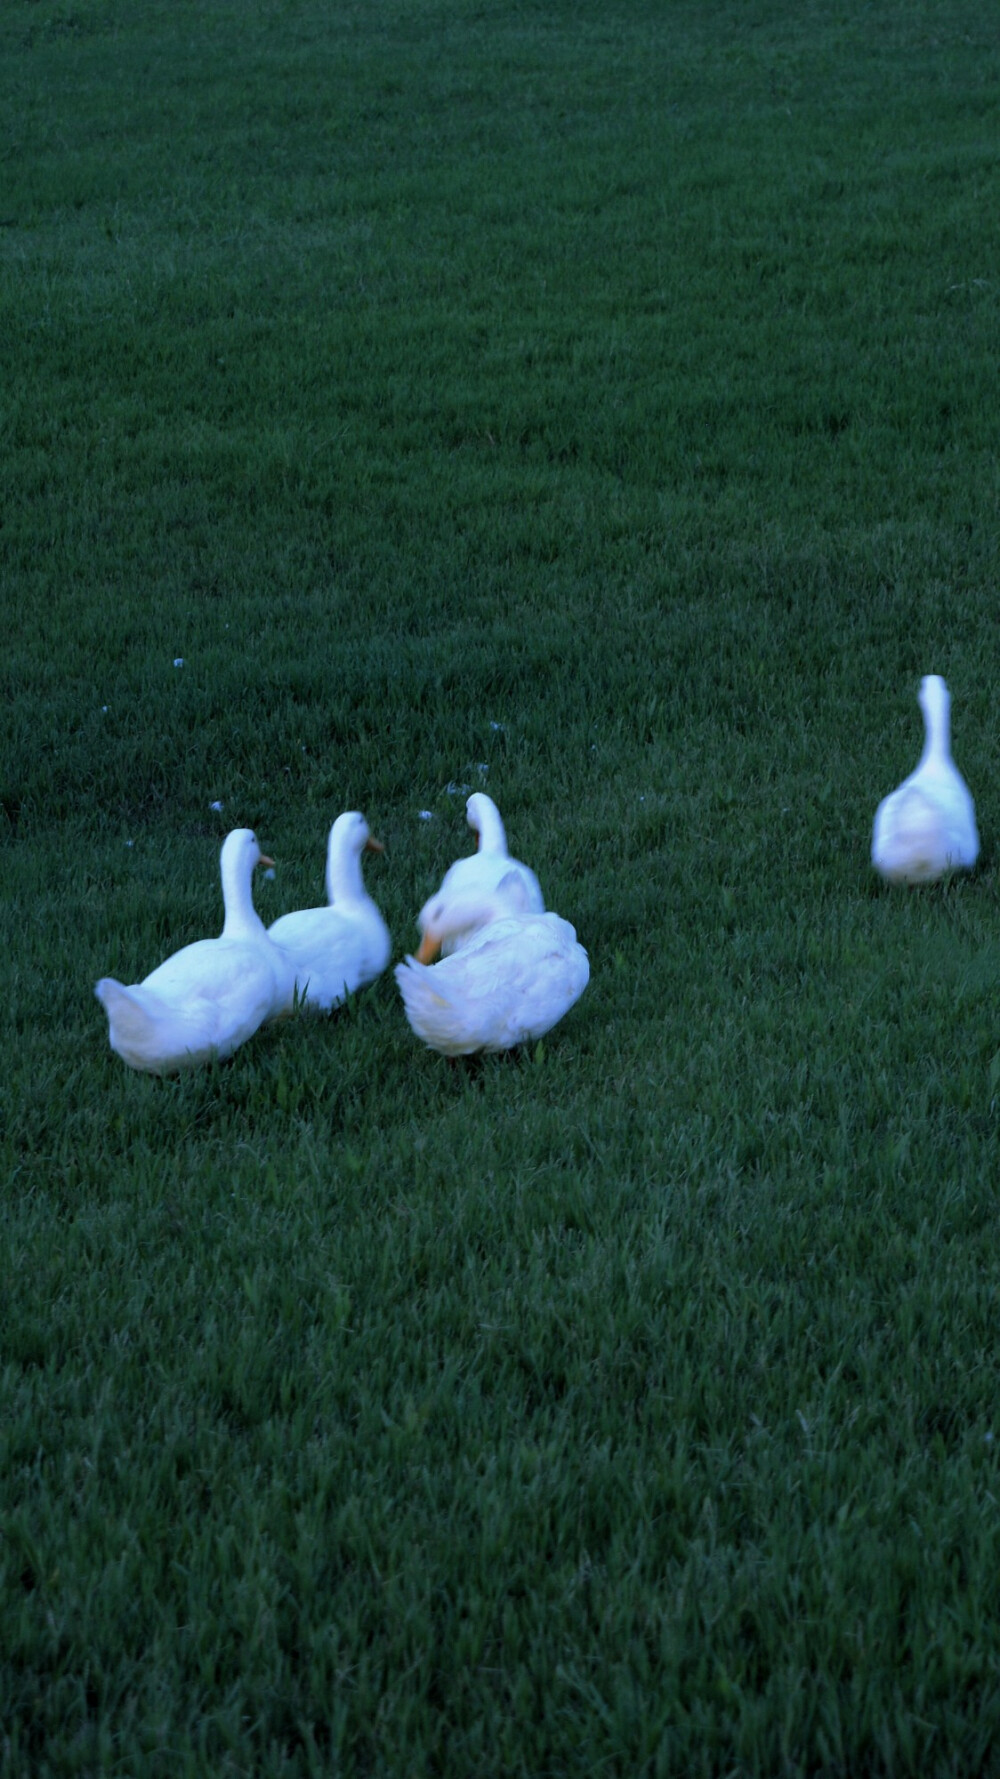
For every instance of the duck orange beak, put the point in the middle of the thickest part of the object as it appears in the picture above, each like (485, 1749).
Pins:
(264, 860)
(429, 949)
(373, 845)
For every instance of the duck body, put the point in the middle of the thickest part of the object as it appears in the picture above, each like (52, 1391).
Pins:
(927, 825)
(207, 999)
(338, 949)
(512, 974)
(484, 870)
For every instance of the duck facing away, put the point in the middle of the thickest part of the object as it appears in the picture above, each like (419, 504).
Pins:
(927, 825)
(338, 949)
(207, 999)
(481, 871)
(511, 976)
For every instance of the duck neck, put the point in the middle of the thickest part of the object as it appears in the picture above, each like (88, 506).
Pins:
(470, 914)
(937, 737)
(242, 918)
(490, 831)
(344, 882)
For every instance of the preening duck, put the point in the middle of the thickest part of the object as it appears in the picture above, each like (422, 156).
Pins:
(338, 949)
(511, 975)
(208, 998)
(927, 825)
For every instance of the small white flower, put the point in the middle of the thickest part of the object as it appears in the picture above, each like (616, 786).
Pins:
(130, 843)
(178, 660)
(499, 728)
(269, 873)
(425, 815)
(104, 710)
(216, 806)
(482, 769)
(455, 790)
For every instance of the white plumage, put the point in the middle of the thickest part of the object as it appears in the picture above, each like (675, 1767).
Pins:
(481, 871)
(511, 976)
(208, 998)
(336, 950)
(927, 826)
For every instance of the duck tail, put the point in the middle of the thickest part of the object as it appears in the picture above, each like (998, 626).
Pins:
(431, 1014)
(130, 1020)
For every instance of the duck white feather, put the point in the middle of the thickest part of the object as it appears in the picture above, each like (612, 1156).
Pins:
(208, 998)
(511, 976)
(927, 825)
(338, 949)
(480, 872)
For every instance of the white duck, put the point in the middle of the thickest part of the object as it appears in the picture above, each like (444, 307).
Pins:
(482, 870)
(511, 975)
(927, 826)
(210, 997)
(337, 949)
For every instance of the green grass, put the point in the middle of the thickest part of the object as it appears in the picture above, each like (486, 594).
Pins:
(604, 396)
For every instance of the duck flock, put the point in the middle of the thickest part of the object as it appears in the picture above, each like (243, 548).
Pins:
(494, 967)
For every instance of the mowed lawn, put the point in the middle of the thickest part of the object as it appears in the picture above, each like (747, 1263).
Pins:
(596, 404)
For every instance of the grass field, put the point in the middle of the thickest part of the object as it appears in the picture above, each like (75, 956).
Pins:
(597, 403)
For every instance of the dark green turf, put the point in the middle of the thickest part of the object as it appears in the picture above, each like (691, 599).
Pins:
(598, 404)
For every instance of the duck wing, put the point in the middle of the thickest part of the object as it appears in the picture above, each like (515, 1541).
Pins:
(332, 952)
